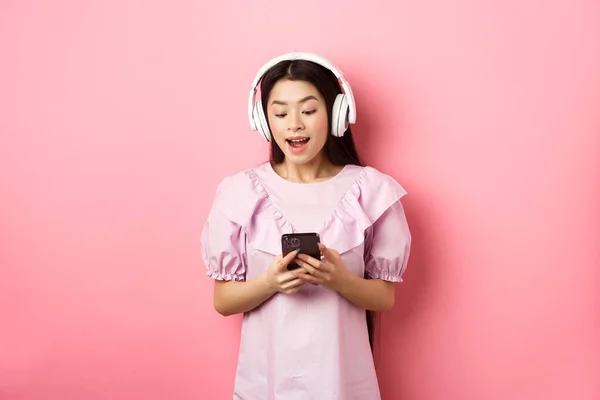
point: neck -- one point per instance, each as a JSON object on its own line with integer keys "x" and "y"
{"x": 316, "y": 170}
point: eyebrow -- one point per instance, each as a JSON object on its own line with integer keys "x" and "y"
{"x": 311, "y": 97}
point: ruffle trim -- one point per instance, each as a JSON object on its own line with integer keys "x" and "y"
{"x": 385, "y": 277}
{"x": 343, "y": 230}
{"x": 224, "y": 277}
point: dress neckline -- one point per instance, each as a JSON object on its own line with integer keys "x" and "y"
{"x": 278, "y": 177}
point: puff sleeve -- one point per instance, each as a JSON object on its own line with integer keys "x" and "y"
{"x": 388, "y": 245}
{"x": 223, "y": 244}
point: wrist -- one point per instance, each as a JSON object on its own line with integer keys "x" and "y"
{"x": 347, "y": 283}
{"x": 265, "y": 284}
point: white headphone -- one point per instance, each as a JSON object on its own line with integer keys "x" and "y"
{"x": 344, "y": 107}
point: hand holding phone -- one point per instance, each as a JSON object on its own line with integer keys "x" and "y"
{"x": 279, "y": 279}
{"x": 306, "y": 243}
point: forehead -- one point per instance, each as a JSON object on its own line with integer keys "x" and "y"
{"x": 293, "y": 91}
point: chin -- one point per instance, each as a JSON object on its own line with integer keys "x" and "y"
{"x": 304, "y": 156}
{"x": 299, "y": 158}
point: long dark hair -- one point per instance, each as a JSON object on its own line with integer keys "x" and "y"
{"x": 339, "y": 150}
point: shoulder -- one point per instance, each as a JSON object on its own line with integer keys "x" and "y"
{"x": 239, "y": 183}
{"x": 238, "y": 194}
{"x": 376, "y": 192}
{"x": 234, "y": 184}
{"x": 372, "y": 180}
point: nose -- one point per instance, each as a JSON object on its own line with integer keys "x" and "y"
{"x": 295, "y": 122}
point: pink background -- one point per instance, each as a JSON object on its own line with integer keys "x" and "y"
{"x": 118, "y": 119}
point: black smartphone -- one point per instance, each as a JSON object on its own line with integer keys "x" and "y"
{"x": 308, "y": 243}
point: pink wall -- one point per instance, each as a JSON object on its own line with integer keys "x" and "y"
{"x": 118, "y": 119}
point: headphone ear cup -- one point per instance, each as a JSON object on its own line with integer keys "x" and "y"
{"x": 339, "y": 116}
{"x": 260, "y": 121}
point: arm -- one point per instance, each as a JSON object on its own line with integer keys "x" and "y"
{"x": 232, "y": 297}
{"x": 223, "y": 244}
{"x": 223, "y": 251}
{"x": 370, "y": 294}
{"x": 386, "y": 258}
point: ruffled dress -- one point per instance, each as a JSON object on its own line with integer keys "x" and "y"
{"x": 312, "y": 344}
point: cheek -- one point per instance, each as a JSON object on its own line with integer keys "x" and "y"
{"x": 276, "y": 127}
{"x": 321, "y": 126}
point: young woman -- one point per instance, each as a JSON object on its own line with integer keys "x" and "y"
{"x": 306, "y": 332}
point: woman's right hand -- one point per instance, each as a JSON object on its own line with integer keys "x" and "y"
{"x": 279, "y": 279}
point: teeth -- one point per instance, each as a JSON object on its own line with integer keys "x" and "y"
{"x": 298, "y": 140}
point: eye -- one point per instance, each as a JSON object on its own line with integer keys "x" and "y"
{"x": 281, "y": 115}
{"x": 310, "y": 112}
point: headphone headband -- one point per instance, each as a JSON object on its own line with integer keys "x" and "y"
{"x": 308, "y": 57}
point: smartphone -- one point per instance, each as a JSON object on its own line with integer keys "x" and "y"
{"x": 308, "y": 243}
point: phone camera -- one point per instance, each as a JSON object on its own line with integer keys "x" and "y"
{"x": 292, "y": 242}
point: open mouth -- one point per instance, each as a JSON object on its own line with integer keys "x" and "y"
{"x": 297, "y": 142}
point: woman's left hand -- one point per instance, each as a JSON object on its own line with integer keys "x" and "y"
{"x": 329, "y": 273}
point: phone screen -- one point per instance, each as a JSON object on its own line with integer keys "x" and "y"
{"x": 308, "y": 243}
